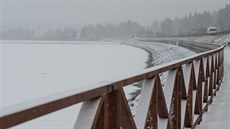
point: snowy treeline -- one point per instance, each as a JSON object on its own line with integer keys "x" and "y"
{"x": 127, "y": 29}
{"x": 196, "y": 23}
{"x": 55, "y": 34}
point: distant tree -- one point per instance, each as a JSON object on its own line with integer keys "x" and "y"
{"x": 177, "y": 26}
{"x": 124, "y": 30}
{"x": 167, "y": 27}
{"x": 17, "y": 34}
{"x": 223, "y": 18}
{"x": 155, "y": 26}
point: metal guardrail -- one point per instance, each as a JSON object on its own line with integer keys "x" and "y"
{"x": 190, "y": 87}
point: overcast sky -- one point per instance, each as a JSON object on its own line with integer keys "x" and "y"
{"x": 76, "y": 13}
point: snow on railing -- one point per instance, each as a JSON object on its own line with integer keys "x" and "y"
{"x": 191, "y": 84}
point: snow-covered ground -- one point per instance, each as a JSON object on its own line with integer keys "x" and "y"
{"x": 161, "y": 53}
{"x": 218, "y": 115}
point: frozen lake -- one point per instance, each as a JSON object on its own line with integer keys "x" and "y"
{"x": 32, "y": 70}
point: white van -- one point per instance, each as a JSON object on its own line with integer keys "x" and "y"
{"x": 212, "y": 30}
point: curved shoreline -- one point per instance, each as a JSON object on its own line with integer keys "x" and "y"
{"x": 150, "y": 55}
{"x": 148, "y": 63}
{"x": 156, "y": 56}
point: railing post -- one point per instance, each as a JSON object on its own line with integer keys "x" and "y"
{"x": 127, "y": 121}
{"x": 211, "y": 69}
{"x": 146, "y": 115}
{"x": 114, "y": 115}
{"x": 206, "y": 79}
{"x": 190, "y": 84}
{"x": 175, "y": 91}
{"x": 199, "y": 70}
{"x": 215, "y": 72}
{"x": 89, "y": 114}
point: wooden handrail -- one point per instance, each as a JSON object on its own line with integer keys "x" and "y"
{"x": 189, "y": 91}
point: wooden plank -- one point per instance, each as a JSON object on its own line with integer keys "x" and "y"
{"x": 175, "y": 105}
{"x": 211, "y": 76}
{"x": 162, "y": 106}
{"x": 43, "y": 109}
{"x": 102, "y": 122}
{"x": 144, "y": 102}
{"x": 183, "y": 90}
{"x": 168, "y": 89}
{"x": 89, "y": 114}
{"x": 205, "y": 67}
{"x": 207, "y": 79}
{"x": 199, "y": 95}
{"x": 183, "y": 112}
{"x": 200, "y": 79}
{"x": 127, "y": 121}
{"x": 154, "y": 111}
{"x": 189, "y": 84}
{"x": 114, "y": 110}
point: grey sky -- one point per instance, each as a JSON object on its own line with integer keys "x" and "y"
{"x": 76, "y": 13}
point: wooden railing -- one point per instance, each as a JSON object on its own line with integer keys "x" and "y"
{"x": 190, "y": 87}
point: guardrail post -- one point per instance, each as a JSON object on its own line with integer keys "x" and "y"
{"x": 215, "y": 71}
{"x": 146, "y": 115}
{"x": 127, "y": 120}
{"x": 119, "y": 114}
{"x": 206, "y": 79}
{"x": 222, "y": 57}
{"x": 199, "y": 79}
{"x": 190, "y": 84}
{"x": 89, "y": 114}
{"x": 175, "y": 91}
{"x": 211, "y": 69}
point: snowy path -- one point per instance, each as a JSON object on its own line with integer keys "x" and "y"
{"x": 218, "y": 115}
